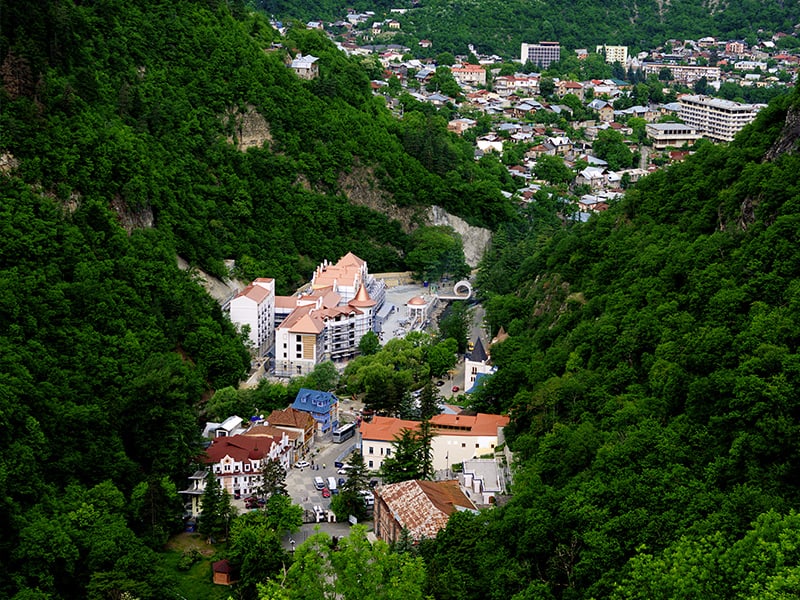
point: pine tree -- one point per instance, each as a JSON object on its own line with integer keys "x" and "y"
{"x": 273, "y": 478}
{"x": 217, "y": 511}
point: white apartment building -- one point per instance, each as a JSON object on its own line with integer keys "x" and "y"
{"x": 541, "y": 54}
{"x": 614, "y": 53}
{"x": 255, "y": 307}
{"x": 456, "y": 438}
{"x": 686, "y": 74}
{"x": 716, "y": 119}
{"x": 675, "y": 135}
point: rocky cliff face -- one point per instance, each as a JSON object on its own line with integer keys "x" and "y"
{"x": 361, "y": 188}
{"x": 476, "y": 239}
{"x": 790, "y": 135}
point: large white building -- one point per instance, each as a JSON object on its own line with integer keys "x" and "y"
{"x": 456, "y": 438}
{"x": 255, "y": 307}
{"x": 541, "y": 54}
{"x": 325, "y": 322}
{"x": 718, "y": 120}
{"x": 674, "y": 135}
{"x": 328, "y": 321}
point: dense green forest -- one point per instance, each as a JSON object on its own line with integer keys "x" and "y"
{"x": 499, "y": 26}
{"x": 651, "y": 371}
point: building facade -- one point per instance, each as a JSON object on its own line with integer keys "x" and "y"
{"x": 456, "y": 438}
{"x": 323, "y": 406}
{"x": 716, "y": 119}
{"x": 254, "y": 307}
{"x": 541, "y": 54}
{"x": 614, "y": 54}
{"x": 420, "y": 507}
{"x": 665, "y": 135}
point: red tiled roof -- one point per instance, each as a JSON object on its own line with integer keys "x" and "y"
{"x": 254, "y": 292}
{"x": 239, "y": 447}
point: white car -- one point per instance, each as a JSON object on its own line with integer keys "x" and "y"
{"x": 302, "y": 464}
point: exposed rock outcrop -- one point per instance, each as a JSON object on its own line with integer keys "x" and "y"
{"x": 250, "y": 128}
{"x": 789, "y": 137}
{"x": 475, "y": 239}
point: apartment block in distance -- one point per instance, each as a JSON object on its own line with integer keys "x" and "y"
{"x": 718, "y": 120}
{"x": 614, "y": 54}
{"x": 541, "y": 54}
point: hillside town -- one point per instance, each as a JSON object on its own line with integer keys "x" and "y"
{"x": 526, "y": 113}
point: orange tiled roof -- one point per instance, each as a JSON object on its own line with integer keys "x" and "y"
{"x": 385, "y": 429}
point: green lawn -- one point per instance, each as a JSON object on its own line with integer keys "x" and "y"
{"x": 196, "y": 583}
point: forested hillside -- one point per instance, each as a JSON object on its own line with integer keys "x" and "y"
{"x": 499, "y": 27}
{"x": 123, "y": 130}
{"x": 652, "y": 372}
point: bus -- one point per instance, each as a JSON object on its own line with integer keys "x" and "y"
{"x": 344, "y": 433}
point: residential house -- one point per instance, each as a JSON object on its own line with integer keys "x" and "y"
{"x": 420, "y": 507}
{"x": 604, "y": 109}
{"x": 233, "y": 425}
{"x": 569, "y": 87}
{"x": 459, "y": 126}
{"x": 236, "y": 461}
{"x": 490, "y": 143}
{"x": 614, "y": 54}
{"x": 323, "y": 406}
{"x": 306, "y": 67}
{"x": 254, "y": 307}
{"x": 468, "y": 74}
{"x": 300, "y": 422}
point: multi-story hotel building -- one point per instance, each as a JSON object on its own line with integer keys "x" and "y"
{"x": 686, "y": 74}
{"x": 675, "y": 135}
{"x": 541, "y": 54}
{"x": 718, "y": 120}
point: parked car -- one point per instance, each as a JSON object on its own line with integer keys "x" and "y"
{"x": 439, "y": 383}
{"x": 373, "y": 483}
{"x": 302, "y": 464}
{"x": 338, "y": 464}
{"x": 341, "y": 481}
{"x": 455, "y": 388}
{"x": 251, "y": 502}
{"x": 326, "y": 493}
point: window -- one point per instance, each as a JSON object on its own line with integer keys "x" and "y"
{"x": 370, "y": 464}
{"x": 371, "y": 451}
{"x": 381, "y": 451}
{"x": 477, "y": 445}
{"x": 247, "y": 467}
{"x": 463, "y": 445}
{"x": 388, "y": 451}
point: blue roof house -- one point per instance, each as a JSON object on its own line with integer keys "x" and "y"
{"x": 323, "y": 406}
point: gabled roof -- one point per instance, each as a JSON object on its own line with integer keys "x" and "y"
{"x": 290, "y": 417}
{"x": 256, "y": 293}
{"x": 314, "y": 401}
{"x": 424, "y": 507}
{"x": 239, "y": 447}
{"x": 481, "y": 424}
